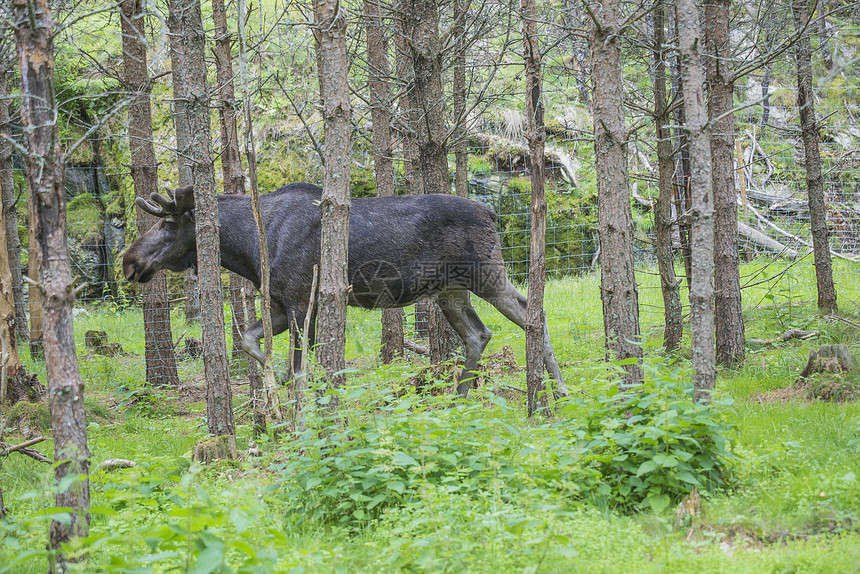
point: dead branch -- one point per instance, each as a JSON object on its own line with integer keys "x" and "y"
{"x": 415, "y": 347}
{"x": 787, "y": 336}
{"x": 23, "y": 445}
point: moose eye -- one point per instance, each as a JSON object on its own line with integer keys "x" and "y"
{"x": 169, "y": 224}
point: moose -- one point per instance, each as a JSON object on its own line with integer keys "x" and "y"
{"x": 401, "y": 249}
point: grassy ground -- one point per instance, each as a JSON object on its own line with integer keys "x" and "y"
{"x": 488, "y": 491}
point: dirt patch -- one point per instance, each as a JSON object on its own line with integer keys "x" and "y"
{"x": 823, "y": 387}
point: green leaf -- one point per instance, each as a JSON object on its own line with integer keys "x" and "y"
{"x": 403, "y": 459}
{"x": 665, "y": 460}
{"x": 658, "y": 502}
{"x": 211, "y": 559}
{"x": 646, "y": 467}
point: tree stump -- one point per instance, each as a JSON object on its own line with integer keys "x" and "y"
{"x": 830, "y": 359}
{"x": 215, "y": 448}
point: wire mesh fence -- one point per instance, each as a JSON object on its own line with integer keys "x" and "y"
{"x": 770, "y": 180}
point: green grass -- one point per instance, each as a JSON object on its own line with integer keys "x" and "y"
{"x": 789, "y": 502}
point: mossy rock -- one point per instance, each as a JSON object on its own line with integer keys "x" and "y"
{"x": 35, "y": 417}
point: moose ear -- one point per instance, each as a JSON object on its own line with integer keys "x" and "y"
{"x": 184, "y": 198}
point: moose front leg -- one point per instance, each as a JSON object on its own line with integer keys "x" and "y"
{"x": 252, "y": 335}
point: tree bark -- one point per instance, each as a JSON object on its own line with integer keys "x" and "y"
{"x": 461, "y": 155}
{"x": 10, "y": 214}
{"x": 701, "y": 191}
{"x": 383, "y": 151}
{"x": 264, "y": 397}
{"x": 193, "y": 95}
{"x": 614, "y": 219}
{"x": 425, "y": 50}
{"x": 682, "y": 162}
{"x": 160, "y": 358}
{"x": 670, "y": 288}
{"x": 536, "y": 137}
{"x": 44, "y": 168}
{"x": 727, "y": 282}
{"x": 37, "y": 349}
{"x": 191, "y": 306}
{"x": 812, "y": 161}
{"x": 330, "y": 33}
{"x": 231, "y": 160}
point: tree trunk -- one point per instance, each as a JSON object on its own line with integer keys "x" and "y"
{"x": 614, "y": 219}
{"x": 231, "y": 160}
{"x": 37, "y": 350}
{"x": 44, "y": 167}
{"x": 160, "y": 358}
{"x": 727, "y": 281}
{"x": 536, "y": 137}
{"x": 264, "y": 397}
{"x": 330, "y": 33}
{"x": 461, "y": 155}
{"x": 672, "y": 311}
{"x": 10, "y": 214}
{"x": 383, "y": 151}
{"x": 193, "y": 96}
{"x": 425, "y": 49}
{"x": 191, "y": 306}
{"x": 812, "y": 161}
{"x": 682, "y": 163}
{"x": 408, "y": 128}
{"x": 701, "y": 191}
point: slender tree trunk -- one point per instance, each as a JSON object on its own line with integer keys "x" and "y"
{"x": 231, "y": 160}
{"x": 194, "y": 97}
{"x": 536, "y": 136}
{"x": 727, "y": 281}
{"x": 330, "y": 33}
{"x": 264, "y": 397}
{"x": 812, "y": 161}
{"x": 702, "y": 224}
{"x": 160, "y": 358}
{"x": 383, "y": 151}
{"x": 614, "y": 218}
{"x": 10, "y": 214}
{"x": 682, "y": 163}
{"x": 671, "y": 289}
{"x": 191, "y": 306}
{"x": 461, "y": 155}
{"x": 408, "y": 128}
{"x": 44, "y": 166}
{"x": 16, "y": 383}
{"x": 425, "y": 49}
{"x": 37, "y": 351}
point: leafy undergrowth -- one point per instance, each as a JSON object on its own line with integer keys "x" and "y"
{"x": 399, "y": 481}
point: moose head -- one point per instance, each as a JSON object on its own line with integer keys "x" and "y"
{"x": 170, "y": 243}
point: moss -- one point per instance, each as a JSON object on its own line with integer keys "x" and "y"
{"x": 85, "y": 218}
{"x": 32, "y": 416}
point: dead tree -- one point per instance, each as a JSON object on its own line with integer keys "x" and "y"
{"x": 34, "y": 32}
{"x": 160, "y": 358}
{"x": 7, "y": 193}
{"x": 812, "y": 160}
{"x": 614, "y": 218}
{"x": 193, "y": 101}
{"x": 536, "y": 137}
{"x": 701, "y": 192}
{"x": 680, "y": 142}
{"x": 671, "y": 289}
{"x": 330, "y": 34}
{"x": 383, "y": 150}
{"x": 727, "y": 283}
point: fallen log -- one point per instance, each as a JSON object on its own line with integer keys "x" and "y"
{"x": 764, "y": 241}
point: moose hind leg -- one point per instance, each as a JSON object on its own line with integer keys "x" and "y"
{"x": 512, "y": 304}
{"x": 475, "y": 335}
{"x": 252, "y": 335}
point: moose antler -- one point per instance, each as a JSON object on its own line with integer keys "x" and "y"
{"x": 177, "y": 202}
